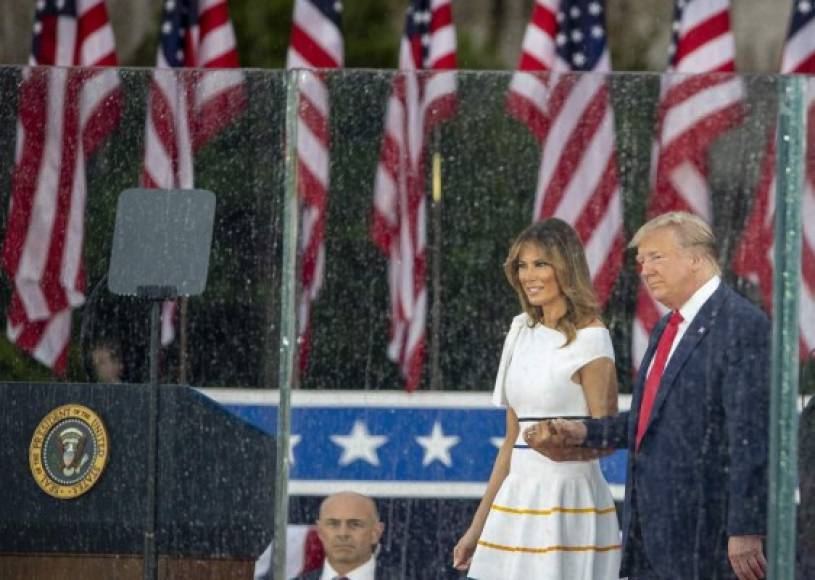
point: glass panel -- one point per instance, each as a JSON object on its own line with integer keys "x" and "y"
{"x": 791, "y": 298}
{"x": 467, "y": 168}
{"x": 229, "y": 142}
{"x": 478, "y": 171}
{"x": 228, "y": 336}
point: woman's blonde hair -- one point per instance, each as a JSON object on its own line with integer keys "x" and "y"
{"x": 564, "y": 251}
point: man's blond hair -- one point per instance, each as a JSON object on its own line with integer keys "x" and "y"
{"x": 692, "y": 232}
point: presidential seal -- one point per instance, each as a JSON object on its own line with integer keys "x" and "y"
{"x": 69, "y": 451}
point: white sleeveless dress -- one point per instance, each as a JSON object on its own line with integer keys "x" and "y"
{"x": 550, "y": 520}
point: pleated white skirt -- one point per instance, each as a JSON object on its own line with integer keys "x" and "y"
{"x": 550, "y": 521}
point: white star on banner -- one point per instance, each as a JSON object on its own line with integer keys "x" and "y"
{"x": 437, "y": 446}
{"x": 497, "y": 441}
{"x": 359, "y": 444}
{"x": 293, "y": 442}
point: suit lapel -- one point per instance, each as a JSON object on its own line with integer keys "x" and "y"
{"x": 696, "y": 332}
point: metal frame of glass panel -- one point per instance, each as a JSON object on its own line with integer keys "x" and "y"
{"x": 783, "y": 460}
{"x": 288, "y": 325}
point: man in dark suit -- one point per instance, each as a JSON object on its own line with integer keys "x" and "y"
{"x": 697, "y": 432}
{"x": 806, "y": 510}
{"x": 349, "y": 529}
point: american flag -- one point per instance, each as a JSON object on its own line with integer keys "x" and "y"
{"x": 572, "y": 118}
{"x": 64, "y": 114}
{"x": 694, "y": 111}
{"x": 754, "y": 256}
{"x": 188, "y": 108}
{"x": 304, "y": 552}
{"x": 418, "y": 102}
{"x": 316, "y": 43}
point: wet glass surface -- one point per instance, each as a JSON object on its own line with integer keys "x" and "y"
{"x": 484, "y": 166}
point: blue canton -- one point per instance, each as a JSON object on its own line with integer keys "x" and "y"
{"x": 331, "y": 9}
{"x": 676, "y": 24}
{"x": 803, "y": 13}
{"x": 49, "y": 9}
{"x": 417, "y": 27}
{"x": 178, "y": 17}
{"x": 581, "y": 37}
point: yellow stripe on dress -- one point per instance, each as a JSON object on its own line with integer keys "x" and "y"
{"x": 549, "y": 548}
{"x": 549, "y": 512}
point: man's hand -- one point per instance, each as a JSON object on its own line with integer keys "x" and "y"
{"x": 746, "y": 555}
{"x": 572, "y": 433}
{"x": 556, "y": 438}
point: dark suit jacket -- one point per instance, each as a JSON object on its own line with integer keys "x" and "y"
{"x": 700, "y": 475}
{"x": 313, "y": 575}
{"x": 379, "y": 574}
{"x": 806, "y": 511}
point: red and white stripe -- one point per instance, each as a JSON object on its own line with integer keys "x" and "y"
{"x": 572, "y": 118}
{"x": 528, "y": 90}
{"x": 186, "y": 109}
{"x": 694, "y": 111}
{"x": 304, "y": 552}
{"x": 418, "y": 101}
{"x": 64, "y": 114}
{"x": 316, "y": 43}
{"x": 754, "y": 257}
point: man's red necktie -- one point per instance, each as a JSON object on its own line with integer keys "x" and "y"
{"x": 655, "y": 376}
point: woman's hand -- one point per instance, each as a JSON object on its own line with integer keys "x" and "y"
{"x": 464, "y": 550}
{"x": 542, "y": 435}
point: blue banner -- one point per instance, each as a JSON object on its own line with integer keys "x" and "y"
{"x": 388, "y": 443}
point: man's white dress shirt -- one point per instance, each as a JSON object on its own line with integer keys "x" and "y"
{"x": 364, "y": 572}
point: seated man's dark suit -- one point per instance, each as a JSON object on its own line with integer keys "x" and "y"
{"x": 313, "y": 575}
{"x": 700, "y": 474}
{"x": 379, "y": 574}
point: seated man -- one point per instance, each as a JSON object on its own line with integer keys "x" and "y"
{"x": 349, "y": 529}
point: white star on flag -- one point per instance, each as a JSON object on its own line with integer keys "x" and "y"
{"x": 293, "y": 441}
{"x": 497, "y": 441}
{"x": 359, "y": 444}
{"x": 437, "y": 446}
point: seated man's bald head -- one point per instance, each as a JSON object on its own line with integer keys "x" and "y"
{"x": 349, "y": 529}
{"x": 351, "y": 498}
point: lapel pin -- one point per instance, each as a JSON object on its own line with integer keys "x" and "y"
{"x": 701, "y": 330}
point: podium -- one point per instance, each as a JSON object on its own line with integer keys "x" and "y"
{"x": 214, "y": 496}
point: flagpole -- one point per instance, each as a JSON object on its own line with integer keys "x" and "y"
{"x": 435, "y": 313}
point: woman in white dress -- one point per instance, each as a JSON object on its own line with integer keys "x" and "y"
{"x": 539, "y": 518}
